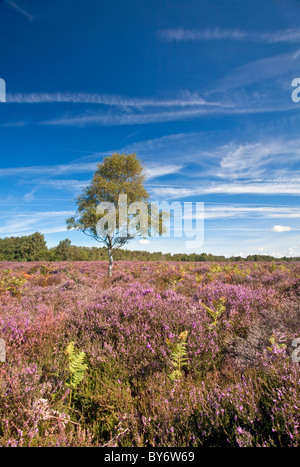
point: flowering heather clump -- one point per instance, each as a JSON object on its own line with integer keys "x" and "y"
{"x": 190, "y": 354}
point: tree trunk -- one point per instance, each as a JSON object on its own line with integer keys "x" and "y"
{"x": 110, "y": 263}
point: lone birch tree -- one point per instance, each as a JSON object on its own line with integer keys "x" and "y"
{"x": 118, "y": 176}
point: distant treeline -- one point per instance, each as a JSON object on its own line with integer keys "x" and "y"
{"x": 34, "y": 248}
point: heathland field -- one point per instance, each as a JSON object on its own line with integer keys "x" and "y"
{"x": 162, "y": 354}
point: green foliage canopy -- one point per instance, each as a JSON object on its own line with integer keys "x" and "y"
{"x": 118, "y": 174}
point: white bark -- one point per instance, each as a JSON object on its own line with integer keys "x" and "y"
{"x": 110, "y": 262}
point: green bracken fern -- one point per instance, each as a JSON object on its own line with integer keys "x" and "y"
{"x": 220, "y": 308}
{"x": 77, "y": 367}
{"x": 179, "y": 356}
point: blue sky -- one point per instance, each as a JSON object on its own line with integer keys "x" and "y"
{"x": 199, "y": 89}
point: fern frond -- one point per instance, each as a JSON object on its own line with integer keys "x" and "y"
{"x": 77, "y": 366}
{"x": 179, "y": 356}
{"x": 220, "y": 309}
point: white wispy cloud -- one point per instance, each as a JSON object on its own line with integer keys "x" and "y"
{"x": 251, "y": 211}
{"x": 127, "y": 116}
{"x": 151, "y": 171}
{"x": 60, "y": 169}
{"x": 130, "y": 117}
{"x": 258, "y": 71}
{"x": 186, "y": 105}
{"x": 218, "y": 34}
{"x": 252, "y": 159}
{"x": 142, "y": 118}
{"x": 29, "y": 222}
{"x": 246, "y": 211}
{"x": 141, "y": 114}
{"x": 184, "y": 99}
{"x": 262, "y": 187}
{"x": 20, "y": 10}
{"x": 30, "y": 195}
{"x": 276, "y": 158}
{"x": 158, "y": 170}
{"x": 63, "y": 184}
{"x": 119, "y": 110}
